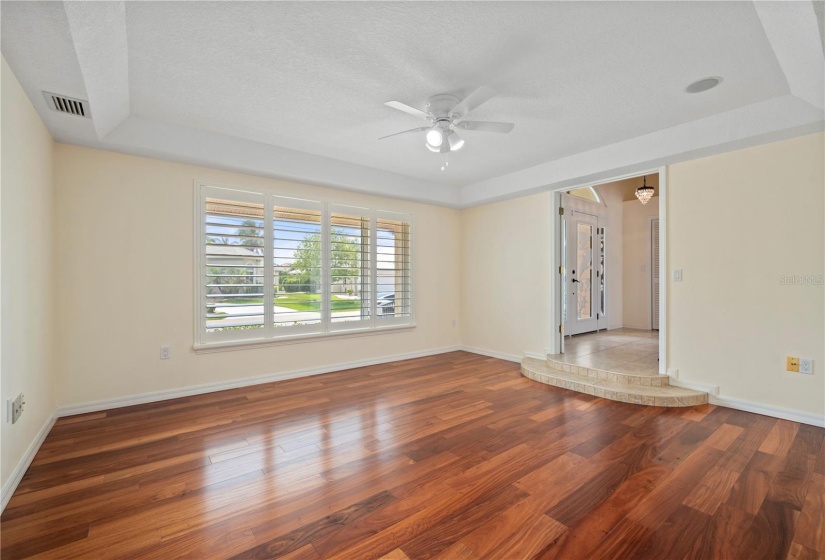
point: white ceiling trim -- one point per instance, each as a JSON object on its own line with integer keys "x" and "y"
{"x": 149, "y": 138}
{"x": 793, "y": 33}
{"x": 768, "y": 121}
{"x": 105, "y": 70}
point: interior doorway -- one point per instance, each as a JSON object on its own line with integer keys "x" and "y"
{"x": 610, "y": 262}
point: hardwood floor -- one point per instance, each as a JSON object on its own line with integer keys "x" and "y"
{"x": 454, "y": 456}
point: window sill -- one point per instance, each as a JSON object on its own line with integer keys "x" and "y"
{"x": 231, "y": 345}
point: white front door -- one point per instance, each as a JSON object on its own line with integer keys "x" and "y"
{"x": 585, "y": 303}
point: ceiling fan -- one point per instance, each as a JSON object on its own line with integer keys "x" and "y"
{"x": 446, "y": 114}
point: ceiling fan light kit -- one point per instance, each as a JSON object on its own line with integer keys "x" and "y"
{"x": 456, "y": 141}
{"x": 446, "y": 113}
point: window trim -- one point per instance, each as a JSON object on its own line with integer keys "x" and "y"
{"x": 266, "y": 336}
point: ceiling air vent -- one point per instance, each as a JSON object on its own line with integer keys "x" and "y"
{"x": 70, "y": 105}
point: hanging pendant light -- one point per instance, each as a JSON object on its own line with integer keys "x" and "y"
{"x": 644, "y": 193}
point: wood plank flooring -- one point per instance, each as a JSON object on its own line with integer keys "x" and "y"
{"x": 454, "y": 456}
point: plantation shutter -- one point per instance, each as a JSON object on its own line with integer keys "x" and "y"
{"x": 269, "y": 267}
{"x": 297, "y": 264}
{"x": 232, "y": 258}
{"x": 349, "y": 288}
{"x": 393, "y": 274}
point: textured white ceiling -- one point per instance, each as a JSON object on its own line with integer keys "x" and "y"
{"x": 571, "y": 76}
{"x": 287, "y": 81}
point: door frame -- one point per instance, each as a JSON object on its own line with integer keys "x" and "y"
{"x": 556, "y": 343}
{"x": 650, "y": 276}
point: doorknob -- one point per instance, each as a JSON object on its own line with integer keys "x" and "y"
{"x": 574, "y": 280}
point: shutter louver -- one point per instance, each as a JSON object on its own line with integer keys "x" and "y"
{"x": 234, "y": 265}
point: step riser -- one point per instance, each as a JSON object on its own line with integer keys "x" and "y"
{"x": 612, "y": 376}
{"x": 615, "y": 392}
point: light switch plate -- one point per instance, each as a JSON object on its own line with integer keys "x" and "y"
{"x": 17, "y": 407}
{"x": 677, "y": 275}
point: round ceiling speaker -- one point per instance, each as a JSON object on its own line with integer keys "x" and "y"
{"x": 703, "y": 85}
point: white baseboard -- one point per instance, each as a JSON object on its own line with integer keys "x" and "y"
{"x": 17, "y": 474}
{"x": 749, "y": 406}
{"x": 492, "y": 353}
{"x": 709, "y": 389}
{"x": 535, "y": 356}
{"x": 154, "y": 396}
{"x": 770, "y": 410}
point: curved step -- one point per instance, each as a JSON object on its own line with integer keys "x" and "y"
{"x": 611, "y": 376}
{"x": 539, "y": 370}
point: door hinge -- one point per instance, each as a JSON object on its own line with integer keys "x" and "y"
{"x": 561, "y": 211}
{"x": 561, "y": 328}
{"x": 561, "y": 270}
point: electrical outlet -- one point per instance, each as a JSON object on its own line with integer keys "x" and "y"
{"x": 164, "y": 352}
{"x": 806, "y": 365}
{"x": 17, "y": 408}
{"x": 792, "y": 364}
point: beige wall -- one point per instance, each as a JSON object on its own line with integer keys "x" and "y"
{"x": 636, "y": 251}
{"x": 27, "y": 248}
{"x": 125, "y": 244}
{"x": 737, "y": 222}
{"x": 505, "y": 262}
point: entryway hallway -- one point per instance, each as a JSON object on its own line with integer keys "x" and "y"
{"x": 630, "y": 351}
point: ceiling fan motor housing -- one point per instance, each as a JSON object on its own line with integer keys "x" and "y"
{"x": 440, "y": 105}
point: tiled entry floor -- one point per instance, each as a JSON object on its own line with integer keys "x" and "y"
{"x": 620, "y": 350}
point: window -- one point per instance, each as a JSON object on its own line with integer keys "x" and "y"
{"x": 271, "y": 267}
{"x": 392, "y": 282}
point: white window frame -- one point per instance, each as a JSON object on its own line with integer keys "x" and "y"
{"x": 269, "y": 334}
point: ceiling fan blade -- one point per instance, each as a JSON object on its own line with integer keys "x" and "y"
{"x": 407, "y": 109}
{"x": 421, "y": 129}
{"x": 485, "y": 126}
{"x": 473, "y": 100}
